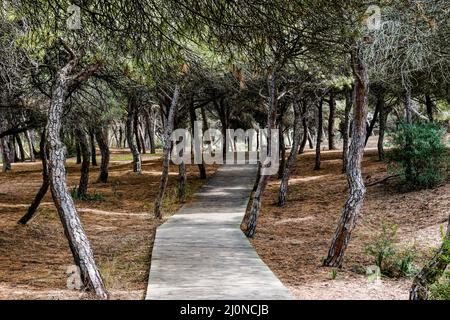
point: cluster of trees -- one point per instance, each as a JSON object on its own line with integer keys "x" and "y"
{"x": 84, "y": 74}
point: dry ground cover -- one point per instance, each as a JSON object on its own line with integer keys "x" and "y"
{"x": 293, "y": 240}
{"x": 120, "y": 226}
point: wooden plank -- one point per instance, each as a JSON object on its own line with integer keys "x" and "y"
{"x": 201, "y": 253}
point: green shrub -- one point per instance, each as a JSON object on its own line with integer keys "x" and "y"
{"x": 419, "y": 154}
{"x": 87, "y": 197}
{"x": 441, "y": 289}
{"x": 393, "y": 261}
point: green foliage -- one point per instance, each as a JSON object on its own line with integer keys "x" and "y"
{"x": 88, "y": 197}
{"x": 419, "y": 154}
{"x": 393, "y": 261}
{"x": 333, "y": 274}
{"x": 441, "y": 289}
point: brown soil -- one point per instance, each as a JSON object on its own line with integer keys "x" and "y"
{"x": 293, "y": 240}
{"x": 34, "y": 258}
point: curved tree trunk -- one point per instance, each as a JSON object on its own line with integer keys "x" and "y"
{"x": 166, "y": 152}
{"x": 331, "y": 122}
{"x": 380, "y": 102}
{"x": 319, "y": 133}
{"x": 346, "y": 125}
{"x": 249, "y": 227}
{"x": 102, "y": 140}
{"x": 282, "y": 193}
{"x": 78, "y": 242}
{"x": 137, "y": 165}
{"x": 355, "y": 181}
{"x": 85, "y": 155}
{"x": 432, "y": 271}
{"x": 44, "y": 187}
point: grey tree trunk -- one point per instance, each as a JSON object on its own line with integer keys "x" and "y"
{"x": 319, "y": 133}
{"x": 331, "y": 122}
{"x": 408, "y": 111}
{"x": 193, "y": 118}
{"x": 346, "y": 125}
{"x": 85, "y": 155}
{"x": 44, "y": 187}
{"x": 182, "y": 181}
{"x": 30, "y": 145}
{"x": 430, "y": 106}
{"x": 6, "y": 155}
{"x": 150, "y": 131}
{"x": 102, "y": 140}
{"x": 355, "y": 181}
{"x": 249, "y": 227}
{"x": 78, "y": 242}
{"x": 137, "y": 164}
{"x": 20, "y": 147}
{"x": 282, "y": 147}
{"x": 166, "y": 151}
{"x": 282, "y": 193}
{"x": 432, "y": 271}
{"x": 78, "y": 150}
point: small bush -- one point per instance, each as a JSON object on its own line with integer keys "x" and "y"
{"x": 419, "y": 154}
{"x": 441, "y": 289}
{"x": 392, "y": 260}
{"x": 87, "y": 197}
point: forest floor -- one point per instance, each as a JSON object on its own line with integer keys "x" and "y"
{"x": 119, "y": 223}
{"x": 293, "y": 240}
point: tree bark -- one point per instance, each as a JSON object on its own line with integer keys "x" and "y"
{"x": 282, "y": 147}
{"x": 102, "y": 140}
{"x": 346, "y": 125}
{"x": 430, "y": 106}
{"x": 408, "y": 111}
{"x": 6, "y": 155}
{"x": 193, "y": 118}
{"x": 20, "y": 147}
{"x": 44, "y": 187}
{"x": 93, "y": 152}
{"x": 432, "y": 271}
{"x": 85, "y": 155}
{"x": 150, "y": 131}
{"x": 249, "y": 227}
{"x": 137, "y": 165}
{"x": 30, "y": 145}
{"x": 182, "y": 180}
{"x": 166, "y": 151}
{"x": 282, "y": 193}
{"x": 380, "y": 102}
{"x": 331, "y": 122}
{"x": 78, "y": 242}
{"x": 319, "y": 133}
{"x": 355, "y": 181}
{"x": 78, "y": 150}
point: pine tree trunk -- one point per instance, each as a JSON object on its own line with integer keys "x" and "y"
{"x": 282, "y": 193}
{"x": 20, "y": 147}
{"x": 355, "y": 181}
{"x": 346, "y": 125}
{"x": 408, "y": 112}
{"x": 136, "y": 129}
{"x": 78, "y": 242}
{"x": 150, "y": 132}
{"x": 85, "y": 155}
{"x": 93, "y": 152}
{"x": 6, "y": 156}
{"x": 182, "y": 180}
{"x": 319, "y": 134}
{"x": 282, "y": 147}
{"x": 249, "y": 227}
{"x": 430, "y": 106}
{"x": 30, "y": 145}
{"x": 78, "y": 150}
{"x": 166, "y": 152}
{"x": 193, "y": 119}
{"x": 44, "y": 187}
{"x": 137, "y": 165}
{"x": 380, "y": 102}
{"x": 331, "y": 122}
{"x": 102, "y": 140}
{"x": 432, "y": 271}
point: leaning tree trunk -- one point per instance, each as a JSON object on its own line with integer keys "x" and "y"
{"x": 432, "y": 271}
{"x": 182, "y": 181}
{"x": 355, "y": 181}
{"x": 430, "y": 106}
{"x": 319, "y": 134}
{"x": 346, "y": 125}
{"x": 150, "y": 131}
{"x": 304, "y": 138}
{"x": 44, "y": 187}
{"x": 85, "y": 155}
{"x": 93, "y": 152}
{"x": 380, "y": 102}
{"x": 78, "y": 242}
{"x": 282, "y": 193}
{"x": 282, "y": 147}
{"x": 137, "y": 165}
{"x": 249, "y": 227}
{"x": 20, "y": 147}
{"x": 166, "y": 152}
{"x": 102, "y": 139}
{"x": 331, "y": 121}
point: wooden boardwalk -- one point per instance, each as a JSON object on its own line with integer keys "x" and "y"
{"x": 201, "y": 253}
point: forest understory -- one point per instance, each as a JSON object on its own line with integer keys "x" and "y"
{"x": 291, "y": 240}
{"x": 118, "y": 221}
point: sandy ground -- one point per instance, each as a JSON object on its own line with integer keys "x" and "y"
{"x": 34, "y": 258}
{"x": 294, "y": 239}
